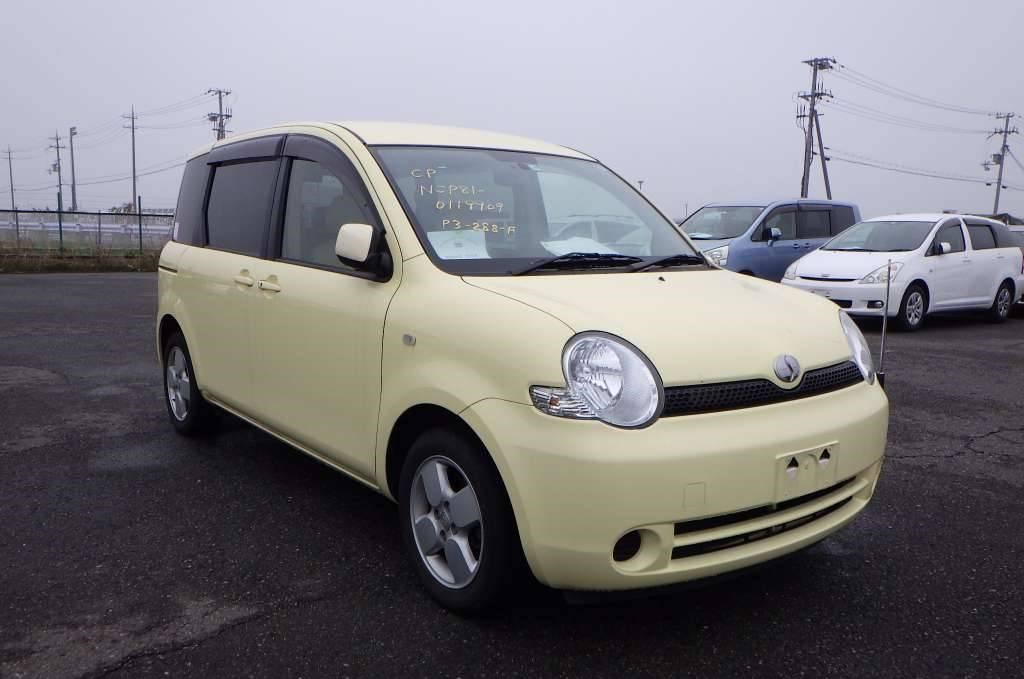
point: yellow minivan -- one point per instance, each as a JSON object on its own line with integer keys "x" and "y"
{"x": 510, "y": 341}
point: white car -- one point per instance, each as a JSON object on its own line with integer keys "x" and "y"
{"x": 939, "y": 262}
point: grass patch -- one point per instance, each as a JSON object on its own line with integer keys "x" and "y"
{"x": 50, "y": 261}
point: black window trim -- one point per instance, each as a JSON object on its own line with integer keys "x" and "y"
{"x": 306, "y": 147}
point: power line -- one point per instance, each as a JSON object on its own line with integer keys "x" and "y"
{"x": 892, "y": 167}
{"x": 868, "y": 113}
{"x": 865, "y": 81}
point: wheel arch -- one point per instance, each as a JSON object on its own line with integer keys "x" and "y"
{"x": 407, "y": 428}
{"x": 167, "y": 326}
{"x": 927, "y": 292}
{"x": 1013, "y": 287}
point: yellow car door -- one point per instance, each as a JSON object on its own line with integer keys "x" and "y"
{"x": 318, "y": 322}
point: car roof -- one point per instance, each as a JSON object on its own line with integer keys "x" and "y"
{"x": 382, "y": 133}
{"x": 779, "y": 201}
{"x": 926, "y": 217}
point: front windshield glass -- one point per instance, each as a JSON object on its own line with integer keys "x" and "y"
{"x": 481, "y": 211}
{"x": 882, "y": 237}
{"x": 712, "y": 223}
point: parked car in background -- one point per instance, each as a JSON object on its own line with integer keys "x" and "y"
{"x": 475, "y": 325}
{"x": 939, "y": 262}
{"x": 762, "y": 239}
{"x": 1017, "y": 230}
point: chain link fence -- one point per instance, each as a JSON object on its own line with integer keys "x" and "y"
{"x": 83, "y": 233}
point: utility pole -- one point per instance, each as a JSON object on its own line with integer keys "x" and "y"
{"x": 56, "y": 168}
{"x": 60, "y": 191}
{"x": 71, "y": 143}
{"x": 1003, "y": 150}
{"x": 135, "y": 178}
{"x": 817, "y": 64}
{"x": 10, "y": 174}
{"x": 220, "y": 117}
{"x": 821, "y": 155}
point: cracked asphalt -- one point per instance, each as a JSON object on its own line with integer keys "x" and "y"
{"x": 126, "y": 551}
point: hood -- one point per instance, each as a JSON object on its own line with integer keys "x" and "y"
{"x": 695, "y": 326}
{"x": 706, "y": 245}
{"x": 844, "y": 265}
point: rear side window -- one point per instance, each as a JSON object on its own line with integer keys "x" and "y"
{"x": 842, "y": 218}
{"x": 188, "y": 215}
{"x": 812, "y": 224}
{"x": 981, "y": 236}
{"x": 240, "y": 201}
{"x": 1004, "y": 237}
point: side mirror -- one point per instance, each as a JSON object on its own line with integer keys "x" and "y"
{"x": 941, "y": 248}
{"x": 774, "y": 233}
{"x": 359, "y": 246}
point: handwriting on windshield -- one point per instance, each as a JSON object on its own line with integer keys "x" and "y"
{"x": 493, "y": 227}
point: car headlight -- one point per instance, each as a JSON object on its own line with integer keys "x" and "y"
{"x": 886, "y": 272}
{"x": 790, "y": 272}
{"x": 607, "y": 379}
{"x": 718, "y": 256}
{"x": 859, "y": 349}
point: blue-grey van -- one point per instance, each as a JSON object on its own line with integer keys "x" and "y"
{"x": 763, "y": 238}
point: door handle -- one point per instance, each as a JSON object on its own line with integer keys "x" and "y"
{"x": 245, "y": 280}
{"x": 269, "y": 287}
{"x": 796, "y": 245}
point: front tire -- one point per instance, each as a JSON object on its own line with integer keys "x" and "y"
{"x": 1002, "y": 304}
{"x": 189, "y": 412}
{"x": 456, "y": 522}
{"x": 913, "y": 308}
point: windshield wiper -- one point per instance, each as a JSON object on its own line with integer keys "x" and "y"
{"x": 851, "y": 250}
{"x": 580, "y": 260}
{"x": 671, "y": 260}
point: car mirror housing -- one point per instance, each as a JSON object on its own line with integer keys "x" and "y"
{"x": 360, "y": 246}
{"x": 774, "y": 233}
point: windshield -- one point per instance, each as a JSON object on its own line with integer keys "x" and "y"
{"x": 882, "y": 237}
{"x": 496, "y": 212}
{"x": 711, "y": 223}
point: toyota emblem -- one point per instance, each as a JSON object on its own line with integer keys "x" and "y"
{"x": 787, "y": 368}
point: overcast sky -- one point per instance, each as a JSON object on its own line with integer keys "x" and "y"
{"x": 696, "y": 99}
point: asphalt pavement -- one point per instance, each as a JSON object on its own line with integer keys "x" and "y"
{"x": 128, "y": 551}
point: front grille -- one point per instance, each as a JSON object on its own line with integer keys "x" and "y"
{"x": 696, "y": 549}
{"x": 709, "y": 398}
{"x": 828, "y": 280}
{"x": 684, "y": 551}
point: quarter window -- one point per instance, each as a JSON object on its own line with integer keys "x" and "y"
{"x": 239, "y": 208}
{"x": 812, "y": 224}
{"x": 784, "y": 222}
{"x": 981, "y": 237}
{"x": 952, "y": 233}
{"x": 319, "y": 202}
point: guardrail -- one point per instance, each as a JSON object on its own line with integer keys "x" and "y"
{"x": 84, "y": 231}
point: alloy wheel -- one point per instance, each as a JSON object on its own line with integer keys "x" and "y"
{"x": 915, "y": 308}
{"x": 446, "y": 522}
{"x": 1003, "y": 302}
{"x": 179, "y": 387}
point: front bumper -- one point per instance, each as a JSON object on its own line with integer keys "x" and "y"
{"x": 578, "y": 486}
{"x": 858, "y": 299}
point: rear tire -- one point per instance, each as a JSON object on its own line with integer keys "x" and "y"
{"x": 460, "y": 533}
{"x": 913, "y": 308}
{"x": 189, "y": 412}
{"x": 1002, "y": 304}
